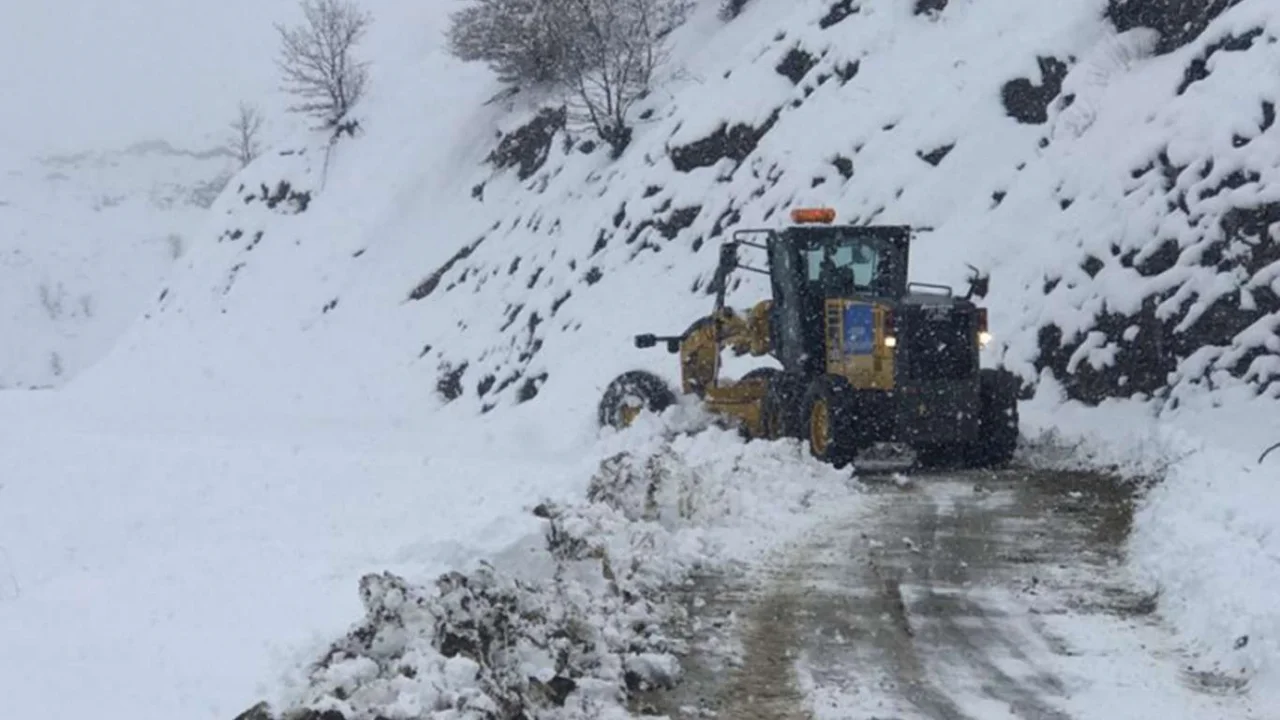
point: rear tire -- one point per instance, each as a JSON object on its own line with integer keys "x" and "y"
{"x": 829, "y": 426}
{"x": 997, "y": 432}
{"x": 629, "y": 394}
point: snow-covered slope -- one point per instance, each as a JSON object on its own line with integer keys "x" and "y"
{"x": 1128, "y": 196}
{"x": 84, "y": 243}
{"x": 405, "y": 276}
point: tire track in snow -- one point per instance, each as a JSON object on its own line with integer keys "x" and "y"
{"x": 962, "y": 598}
{"x": 765, "y": 688}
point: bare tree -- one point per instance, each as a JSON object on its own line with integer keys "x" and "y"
{"x": 618, "y": 46}
{"x": 316, "y": 59}
{"x": 602, "y": 53}
{"x": 244, "y": 134}
{"x": 523, "y": 41}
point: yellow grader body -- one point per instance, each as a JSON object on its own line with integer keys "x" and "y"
{"x": 866, "y": 356}
{"x": 700, "y": 364}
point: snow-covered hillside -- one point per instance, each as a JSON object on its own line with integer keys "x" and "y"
{"x": 84, "y": 243}
{"x": 489, "y": 275}
{"x": 463, "y": 268}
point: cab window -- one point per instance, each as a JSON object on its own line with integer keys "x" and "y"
{"x": 845, "y": 267}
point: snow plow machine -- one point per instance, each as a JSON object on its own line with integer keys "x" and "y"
{"x": 866, "y": 356}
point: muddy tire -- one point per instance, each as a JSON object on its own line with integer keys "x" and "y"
{"x": 629, "y": 394}
{"x": 829, "y": 421}
{"x": 997, "y": 437}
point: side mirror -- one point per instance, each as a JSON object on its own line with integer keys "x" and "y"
{"x": 673, "y": 346}
{"x": 644, "y": 342}
{"x": 979, "y": 284}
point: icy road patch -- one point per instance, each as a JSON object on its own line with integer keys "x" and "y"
{"x": 968, "y": 596}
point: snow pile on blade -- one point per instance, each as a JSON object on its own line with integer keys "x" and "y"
{"x": 571, "y": 625}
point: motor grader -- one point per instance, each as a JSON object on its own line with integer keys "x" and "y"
{"x": 866, "y": 356}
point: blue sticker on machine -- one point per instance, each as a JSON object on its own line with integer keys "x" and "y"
{"x": 859, "y": 330}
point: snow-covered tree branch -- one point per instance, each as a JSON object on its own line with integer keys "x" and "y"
{"x": 603, "y": 54}
{"x": 316, "y": 59}
{"x": 245, "y": 130}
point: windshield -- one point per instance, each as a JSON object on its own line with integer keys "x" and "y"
{"x": 846, "y": 265}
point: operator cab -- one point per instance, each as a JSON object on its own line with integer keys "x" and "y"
{"x": 810, "y": 264}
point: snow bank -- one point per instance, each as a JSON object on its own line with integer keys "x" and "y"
{"x": 571, "y": 623}
{"x": 1207, "y": 538}
{"x": 176, "y": 572}
{"x": 1205, "y": 530}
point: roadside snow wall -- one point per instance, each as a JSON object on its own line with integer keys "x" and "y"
{"x": 1204, "y": 537}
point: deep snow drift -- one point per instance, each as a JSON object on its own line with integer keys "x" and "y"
{"x": 574, "y": 622}
{"x": 194, "y": 572}
{"x": 405, "y": 280}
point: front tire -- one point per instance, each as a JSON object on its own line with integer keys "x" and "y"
{"x": 829, "y": 421}
{"x": 630, "y": 394}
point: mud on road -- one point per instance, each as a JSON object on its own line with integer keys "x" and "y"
{"x": 966, "y": 596}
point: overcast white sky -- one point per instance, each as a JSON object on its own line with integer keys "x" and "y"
{"x": 98, "y": 74}
{"x": 80, "y": 74}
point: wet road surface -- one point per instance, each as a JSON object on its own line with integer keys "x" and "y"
{"x": 967, "y": 596}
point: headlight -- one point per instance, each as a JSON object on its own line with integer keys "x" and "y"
{"x": 984, "y": 338}
{"x": 890, "y": 341}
